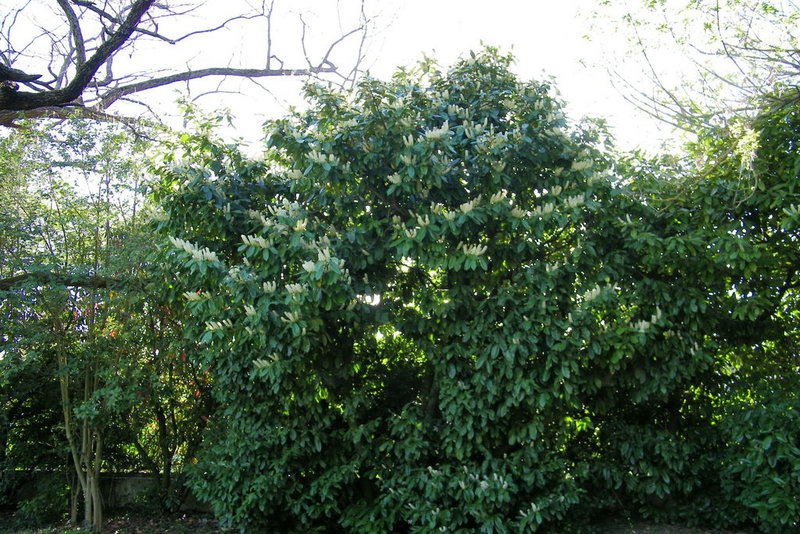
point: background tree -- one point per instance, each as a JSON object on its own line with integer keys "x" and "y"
{"x": 77, "y": 314}
{"x": 80, "y": 56}
{"x": 736, "y": 93}
{"x": 707, "y": 63}
{"x": 744, "y": 200}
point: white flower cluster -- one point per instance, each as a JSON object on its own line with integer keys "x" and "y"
{"x": 597, "y": 290}
{"x": 550, "y": 267}
{"x": 539, "y": 211}
{"x": 473, "y": 130}
{"x": 437, "y": 133}
{"x": 322, "y": 247}
{"x": 582, "y": 165}
{"x": 642, "y": 326}
{"x": 593, "y": 179}
{"x": 436, "y": 209}
{"x": 472, "y": 250}
{"x": 409, "y": 122}
{"x": 319, "y": 158}
{"x": 197, "y": 254}
{"x": 250, "y": 310}
{"x": 422, "y": 222}
{"x": 469, "y": 206}
{"x": 395, "y": 178}
{"x": 290, "y": 317}
{"x": 491, "y": 140}
{"x": 442, "y": 161}
{"x": 196, "y": 296}
{"x": 269, "y": 287}
{"x": 235, "y": 273}
{"x": 296, "y": 289}
{"x": 483, "y": 483}
{"x": 460, "y": 112}
{"x": 441, "y": 95}
{"x": 217, "y": 326}
{"x": 285, "y": 209}
{"x": 592, "y": 294}
{"x": 256, "y": 241}
{"x": 259, "y": 217}
{"x": 159, "y": 215}
{"x": 294, "y": 174}
{"x": 544, "y": 210}
{"x": 407, "y": 160}
{"x": 575, "y": 201}
{"x": 498, "y": 197}
{"x": 263, "y": 364}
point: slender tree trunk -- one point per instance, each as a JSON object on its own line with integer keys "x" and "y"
{"x": 69, "y": 429}
{"x": 96, "y": 493}
{"x": 73, "y": 504}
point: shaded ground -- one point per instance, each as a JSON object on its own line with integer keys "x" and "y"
{"x": 129, "y": 524}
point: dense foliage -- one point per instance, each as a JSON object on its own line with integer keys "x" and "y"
{"x": 436, "y": 305}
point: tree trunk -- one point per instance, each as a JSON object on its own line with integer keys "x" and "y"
{"x": 73, "y": 505}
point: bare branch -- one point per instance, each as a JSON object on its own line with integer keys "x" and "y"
{"x": 84, "y": 63}
{"x": 70, "y": 280}
{"x": 75, "y": 30}
{"x": 20, "y": 101}
{"x": 269, "y": 33}
{"x": 115, "y": 94}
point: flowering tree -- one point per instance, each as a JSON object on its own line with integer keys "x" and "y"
{"x": 428, "y": 308}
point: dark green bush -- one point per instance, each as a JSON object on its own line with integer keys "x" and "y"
{"x": 760, "y": 472}
{"x": 49, "y": 503}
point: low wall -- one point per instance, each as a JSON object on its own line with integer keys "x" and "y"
{"x": 119, "y": 490}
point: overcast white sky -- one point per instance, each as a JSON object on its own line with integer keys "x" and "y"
{"x": 546, "y": 36}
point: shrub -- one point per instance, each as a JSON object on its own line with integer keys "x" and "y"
{"x": 430, "y": 307}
